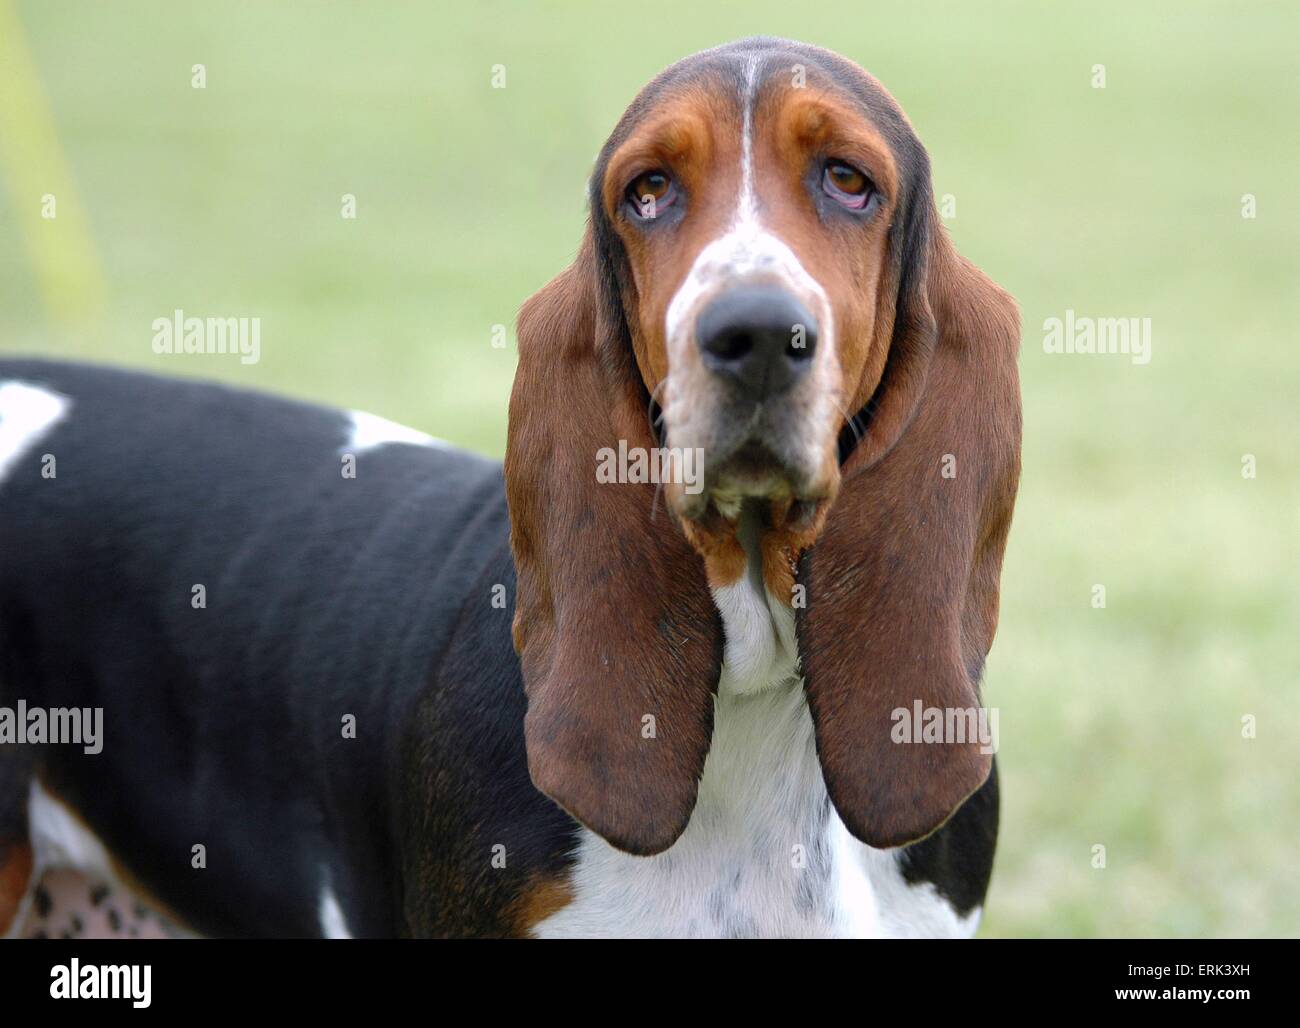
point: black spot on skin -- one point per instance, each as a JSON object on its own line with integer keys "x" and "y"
{"x": 140, "y": 911}
{"x": 43, "y": 902}
{"x": 98, "y": 894}
{"x": 114, "y": 919}
{"x": 68, "y": 935}
{"x": 78, "y": 925}
{"x": 39, "y": 934}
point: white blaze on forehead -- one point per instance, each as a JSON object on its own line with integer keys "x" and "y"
{"x": 748, "y": 209}
{"x": 745, "y": 251}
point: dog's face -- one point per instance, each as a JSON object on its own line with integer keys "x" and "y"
{"x": 753, "y": 207}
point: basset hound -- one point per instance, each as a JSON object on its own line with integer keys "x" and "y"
{"x": 351, "y": 681}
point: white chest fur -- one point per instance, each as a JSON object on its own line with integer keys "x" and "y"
{"x": 764, "y": 854}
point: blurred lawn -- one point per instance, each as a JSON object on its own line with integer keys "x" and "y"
{"x": 1121, "y": 726}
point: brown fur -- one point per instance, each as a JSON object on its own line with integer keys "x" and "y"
{"x": 15, "y": 876}
{"x": 538, "y": 900}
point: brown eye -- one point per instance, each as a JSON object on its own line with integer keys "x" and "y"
{"x": 845, "y": 184}
{"x": 650, "y": 193}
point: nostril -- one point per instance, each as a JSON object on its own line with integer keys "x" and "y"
{"x": 802, "y": 342}
{"x": 730, "y": 346}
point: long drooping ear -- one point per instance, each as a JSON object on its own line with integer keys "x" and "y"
{"x": 617, "y": 633}
{"x": 902, "y": 586}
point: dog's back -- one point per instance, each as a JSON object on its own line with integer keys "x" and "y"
{"x": 261, "y": 596}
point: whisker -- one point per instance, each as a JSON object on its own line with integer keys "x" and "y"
{"x": 650, "y": 407}
{"x": 852, "y": 422}
{"x": 654, "y": 434}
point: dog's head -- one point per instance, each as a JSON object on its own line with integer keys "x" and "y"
{"x": 765, "y": 286}
{"x": 746, "y": 203}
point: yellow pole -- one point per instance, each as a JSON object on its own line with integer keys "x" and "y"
{"x": 61, "y": 248}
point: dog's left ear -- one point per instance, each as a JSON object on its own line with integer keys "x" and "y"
{"x": 619, "y": 642}
{"x": 902, "y": 585}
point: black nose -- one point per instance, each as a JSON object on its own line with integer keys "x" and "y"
{"x": 760, "y": 337}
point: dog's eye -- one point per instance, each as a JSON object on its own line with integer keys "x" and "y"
{"x": 650, "y": 193}
{"x": 846, "y": 185}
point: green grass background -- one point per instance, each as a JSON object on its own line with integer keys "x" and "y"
{"x": 1120, "y": 727}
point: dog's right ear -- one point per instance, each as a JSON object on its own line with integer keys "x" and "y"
{"x": 902, "y": 585}
{"x": 619, "y": 640}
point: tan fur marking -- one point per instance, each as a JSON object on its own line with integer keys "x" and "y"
{"x": 541, "y": 898}
{"x": 697, "y": 141}
{"x": 15, "y": 876}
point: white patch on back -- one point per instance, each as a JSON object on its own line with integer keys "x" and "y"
{"x": 333, "y": 925}
{"x": 370, "y": 430}
{"x": 59, "y": 839}
{"x": 27, "y": 412}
